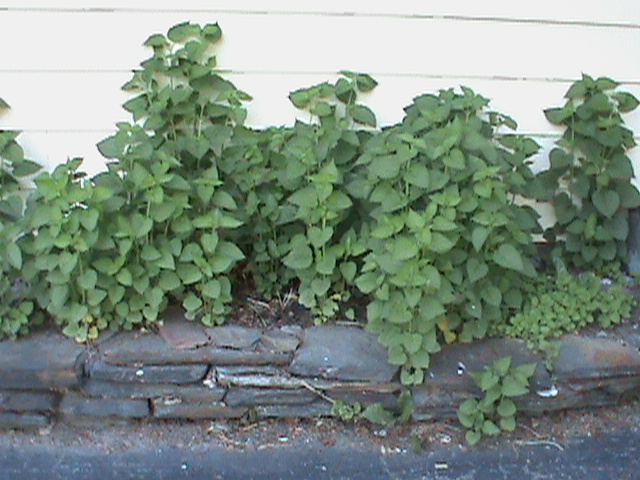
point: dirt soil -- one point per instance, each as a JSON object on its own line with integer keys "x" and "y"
{"x": 552, "y": 430}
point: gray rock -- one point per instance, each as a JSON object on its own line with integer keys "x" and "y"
{"x": 175, "y": 408}
{"x": 26, "y": 421}
{"x": 450, "y": 368}
{"x": 78, "y": 405}
{"x": 179, "y": 332}
{"x": 567, "y": 398}
{"x": 343, "y": 353}
{"x": 633, "y": 241}
{"x": 589, "y": 363}
{"x": 436, "y": 403}
{"x": 150, "y": 349}
{"x": 19, "y": 401}
{"x": 233, "y": 336}
{"x": 385, "y": 394}
{"x": 174, "y": 374}
{"x": 251, "y": 397}
{"x": 311, "y": 410}
{"x": 97, "y": 388}
{"x": 279, "y": 341}
{"x": 42, "y": 360}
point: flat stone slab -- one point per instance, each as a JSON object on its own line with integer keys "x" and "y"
{"x": 385, "y": 394}
{"x": 150, "y": 349}
{"x": 174, "y": 408}
{"x": 18, "y": 401}
{"x": 450, "y": 368}
{"x": 583, "y": 357}
{"x": 233, "y": 336}
{"x": 251, "y": 397}
{"x": 26, "y": 421}
{"x": 279, "y": 341}
{"x": 174, "y": 374}
{"x": 316, "y": 409}
{"x": 78, "y": 405}
{"x": 179, "y": 332}
{"x": 40, "y": 361}
{"x": 97, "y": 388}
{"x": 342, "y": 353}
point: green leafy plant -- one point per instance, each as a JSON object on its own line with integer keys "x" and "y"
{"x": 319, "y": 159}
{"x": 448, "y": 246}
{"x": 496, "y": 411}
{"x": 16, "y": 304}
{"x": 566, "y": 302}
{"x": 375, "y": 412}
{"x": 589, "y": 178}
{"x": 176, "y": 205}
{"x": 346, "y": 412}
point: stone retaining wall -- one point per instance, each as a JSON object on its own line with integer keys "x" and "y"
{"x": 188, "y": 372}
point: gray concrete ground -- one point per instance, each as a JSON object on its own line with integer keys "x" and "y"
{"x": 611, "y": 456}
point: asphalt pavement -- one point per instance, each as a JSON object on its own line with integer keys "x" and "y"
{"x": 609, "y": 456}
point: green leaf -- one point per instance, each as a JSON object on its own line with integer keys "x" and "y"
{"x": 299, "y": 258}
{"x": 606, "y": 202}
{"x": 96, "y": 296}
{"x": 476, "y": 269}
{"x": 212, "y": 289}
{"x": 59, "y": 295}
{"x": 507, "y": 256}
{"x": 156, "y": 40}
{"x": 300, "y": 98}
{"x": 455, "y": 160}
{"x": 440, "y": 243}
{"x": 124, "y": 277}
{"x": 620, "y": 167}
{"x": 397, "y": 355}
{"x": 526, "y": 371}
{"x": 191, "y": 303}
{"x": 492, "y": 296}
{"x": 376, "y": 413}
{"x": 306, "y": 197}
{"x": 348, "y": 271}
{"x": 169, "y": 281}
{"x": 508, "y": 424}
{"x": 24, "y": 168}
{"x": 212, "y": 32}
{"x": 13, "y": 255}
{"x": 362, "y": 114}
{"x": 513, "y": 387}
{"x": 367, "y": 282}
{"x": 478, "y": 236}
{"x": 626, "y": 101}
{"x": 605, "y": 83}
{"x": 88, "y": 280}
{"x": 629, "y": 195}
{"x": 558, "y": 115}
{"x": 490, "y": 428}
{"x": 188, "y": 273}
{"x": 385, "y": 167}
{"x": 182, "y": 31}
{"x": 431, "y": 308}
{"x": 418, "y": 175}
{"x": 472, "y": 437}
{"x": 345, "y": 91}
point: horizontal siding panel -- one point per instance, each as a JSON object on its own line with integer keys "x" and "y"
{"x": 623, "y": 11}
{"x": 112, "y": 42}
{"x": 71, "y": 101}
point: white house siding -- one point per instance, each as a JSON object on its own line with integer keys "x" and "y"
{"x": 63, "y": 62}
